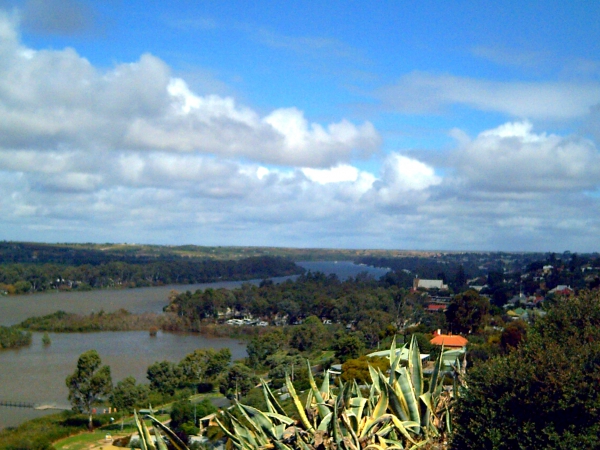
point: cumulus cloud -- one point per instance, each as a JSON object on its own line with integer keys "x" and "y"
{"x": 334, "y": 175}
{"x": 513, "y": 158}
{"x": 52, "y": 99}
{"x": 404, "y": 182}
{"x": 421, "y": 93}
{"x": 132, "y": 153}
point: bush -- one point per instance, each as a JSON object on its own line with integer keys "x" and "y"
{"x": 358, "y": 369}
{"x": 38, "y": 434}
{"x": 544, "y": 393}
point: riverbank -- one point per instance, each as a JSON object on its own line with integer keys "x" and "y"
{"x": 128, "y": 353}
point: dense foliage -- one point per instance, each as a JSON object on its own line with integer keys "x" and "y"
{"x": 121, "y": 320}
{"x": 184, "y": 415}
{"x": 361, "y": 301}
{"x": 11, "y": 337}
{"x": 196, "y": 371}
{"x": 40, "y": 433}
{"x": 128, "y": 395}
{"x": 543, "y": 394}
{"x": 24, "y": 270}
{"x": 90, "y": 383}
{"x": 467, "y": 312}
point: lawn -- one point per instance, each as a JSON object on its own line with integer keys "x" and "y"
{"x": 86, "y": 440}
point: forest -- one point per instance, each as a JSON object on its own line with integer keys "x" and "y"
{"x": 28, "y": 268}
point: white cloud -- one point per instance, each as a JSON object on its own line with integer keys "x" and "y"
{"x": 512, "y": 158}
{"x": 334, "y": 175}
{"x": 421, "y": 93}
{"x": 408, "y": 174}
{"x": 51, "y": 99}
{"x": 132, "y": 153}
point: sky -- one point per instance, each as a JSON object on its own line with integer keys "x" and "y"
{"x": 425, "y": 125}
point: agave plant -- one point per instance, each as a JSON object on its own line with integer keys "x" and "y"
{"x": 397, "y": 413}
{"x": 146, "y": 441}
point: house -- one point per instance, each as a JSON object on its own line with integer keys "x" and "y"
{"x": 454, "y": 348}
{"x": 429, "y": 284}
{"x": 477, "y": 287}
{"x": 436, "y": 308}
{"x": 561, "y": 289}
{"x": 517, "y": 314}
{"x": 449, "y": 341}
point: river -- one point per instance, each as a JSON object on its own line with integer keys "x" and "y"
{"x": 37, "y": 373}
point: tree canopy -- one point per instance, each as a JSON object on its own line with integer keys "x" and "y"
{"x": 90, "y": 382}
{"x": 467, "y": 312}
{"x": 543, "y": 394}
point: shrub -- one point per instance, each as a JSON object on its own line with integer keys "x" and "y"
{"x": 543, "y": 394}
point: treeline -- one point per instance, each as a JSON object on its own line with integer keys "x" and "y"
{"x": 74, "y": 255}
{"x": 19, "y": 278}
{"x": 361, "y": 301}
{"x": 121, "y": 320}
{"x": 406, "y": 268}
{"x": 11, "y": 337}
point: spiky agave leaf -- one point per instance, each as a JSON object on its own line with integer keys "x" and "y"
{"x": 321, "y": 408}
{"x": 138, "y": 425}
{"x": 390, "y": 417}
{"x": 272, "y": 403}
{"x": 162, "y": 445}
{"x": 145, "y": 438}
{"x": 407, "y": 391}
{"x": 264, "y": 428}
{"x": 173, "y": 438}
{"x": 298, "y": 404}
{"x": 415, "y": 367}
{"x": 325, "y": 389}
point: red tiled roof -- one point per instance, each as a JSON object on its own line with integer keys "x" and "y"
{"x": 449, "y": 340}
{"x": 436, "y": 307}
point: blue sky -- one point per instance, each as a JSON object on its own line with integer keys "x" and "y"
{"x": 414, "y": 125}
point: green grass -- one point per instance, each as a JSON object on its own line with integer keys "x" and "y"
{"x": 80, "y": 441}
{"x": 39, "y": 433}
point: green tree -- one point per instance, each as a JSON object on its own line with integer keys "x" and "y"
{"x": 293, "y": 365}
{"x": 183, "y": 420}
{"x": 238, "y": 380}
{"x": 358, "y": 369}
{"x": 348, "y": 346}
{"x": 165, "y": 377}
{"x": 467, "y": 312}
{"x": 374, "y": 325}
{"x": 308, "y": 336}
{"x": 185, "y": 416}
{"x": 460, "y": 279}
{"x": 128, "y": 395}
{"x": 544, "y": 394}
{"x": 261, "y": 347}
{"x": 204, "y": 365}
{"x": 90, "y": 383}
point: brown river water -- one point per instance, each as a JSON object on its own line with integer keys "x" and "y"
{"x": 37, "y": 373}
